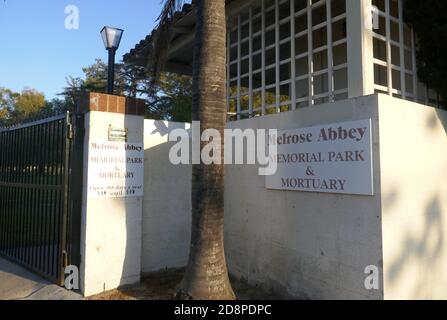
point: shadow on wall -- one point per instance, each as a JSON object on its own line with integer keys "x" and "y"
{"x": 131, "y": 208}
{"x": 427, "y": 249}
{"x": 164, "y": 128}
{"x": 167, "y": 201}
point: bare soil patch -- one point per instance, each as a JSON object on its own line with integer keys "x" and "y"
{"x": 162, "y": 286}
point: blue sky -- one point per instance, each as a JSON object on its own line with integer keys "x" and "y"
{"x": 36, "y": 50}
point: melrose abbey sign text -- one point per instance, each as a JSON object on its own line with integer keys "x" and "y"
{"x": 334, "y": 158}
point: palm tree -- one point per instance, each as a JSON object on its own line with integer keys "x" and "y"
{"x": 206, "y": 276}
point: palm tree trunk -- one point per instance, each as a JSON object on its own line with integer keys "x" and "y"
{"x": 206, "y": 277}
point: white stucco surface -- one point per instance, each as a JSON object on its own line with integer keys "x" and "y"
{"x": 317, "y": 246}
{"x": 167, "y": 202}
{"x": 304, "y": 245}
{"x": 111, "y": 227}
{"x": 413, "y": 149}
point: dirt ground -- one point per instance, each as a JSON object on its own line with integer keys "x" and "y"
{"x": 162, "y": 285}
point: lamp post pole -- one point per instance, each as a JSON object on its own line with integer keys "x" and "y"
{"x": 111, "y": 71}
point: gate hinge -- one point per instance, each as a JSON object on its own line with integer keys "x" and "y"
{"x": 64, "y": 259}
{"x": 69, "y": 131}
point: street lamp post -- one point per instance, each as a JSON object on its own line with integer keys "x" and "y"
{"x": 112, "y": 38}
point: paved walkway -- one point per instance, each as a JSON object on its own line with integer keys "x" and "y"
{"x": 16, "y": 283}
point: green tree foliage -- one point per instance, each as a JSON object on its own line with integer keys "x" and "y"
{"x": 28, "y": 103}
{"x": 428, "y": 19}
{"x": 172, "y": 100}
{"x": 18, "y": 107}
{"x": 6, "y": 105}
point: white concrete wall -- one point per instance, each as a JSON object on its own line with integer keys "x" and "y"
{"x": 167, "y": 202}
{"x": 304, "y": 245}
{"x": 414, "y": 199}
{"x": 111, "y": 228}
{"x": 316, "y": 246}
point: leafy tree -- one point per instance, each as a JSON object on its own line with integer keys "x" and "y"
{"x": 172, "y": 100}
{"x": 18, "y": 107}
{"x": 6, "y": 105}
{"x": 28, "y": 103}
{"x": 428, "y": 19}
{"x": 206, "y": 274}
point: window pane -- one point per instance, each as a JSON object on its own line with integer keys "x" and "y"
{"x": 338, "y": 7}
{"x": 340, "y": 53}
{"x": 395, "y": 31}
{"x": 270, "y": 57}
{"x": 300, "y": 23}
{"x": 320, "y": 60}
{"x": 408, "y": 60}
{"x": 257, "y": 80}
{"x": 284, "y": 50}
{"x": 302, "y": 88}
{"x": 284, "y": 72}
{"x": 301, "y": 45}
{"x": 302, "y": 67}
{"x": 320, "y": 84}
{"x": 395, "y": 55}
{"x": 396, "y": 80}
{"x": 284, "y": 31}
{"x": 300, "y": 5}
{"x": 318, "y": 15}
{"x": 409, "y": 83}
{"x": 380, "y": 75}
{"x": 379, "y": 49}
{"x": 319, "y": 37}
{"x": 340, "y": 79}
{"x": 339, "y": 30}
{"x": 284, "y": 10}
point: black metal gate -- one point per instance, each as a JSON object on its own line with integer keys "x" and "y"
{"x": 40, "y": 194}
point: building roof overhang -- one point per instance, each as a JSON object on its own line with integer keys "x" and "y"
{"x": 180, "y": 53}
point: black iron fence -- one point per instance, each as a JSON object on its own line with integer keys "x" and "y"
{"x": 39, "y": 219}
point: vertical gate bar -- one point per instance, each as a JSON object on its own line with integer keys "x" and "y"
{"x": 25, "y": 200}
{"x": 24, "y": 154}
{"x": 5, "y": 178}
{"x": 41, "y": 198}
{"x": 2, "y": 190}
{"x": 9, "y": 195}
{"x": 18, "y": 177}
{"x": 47, "y": 197}
{"x": 35, "y": 143}
{"x": 15, "y": 196}
{"x": 36, "y": 228}
{"x": 53, "y": 160}
{"x": 75, "y": 189}
{"x": 66, "y": 160}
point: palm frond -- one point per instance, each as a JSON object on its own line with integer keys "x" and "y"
{"x": 161, "y": 38}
